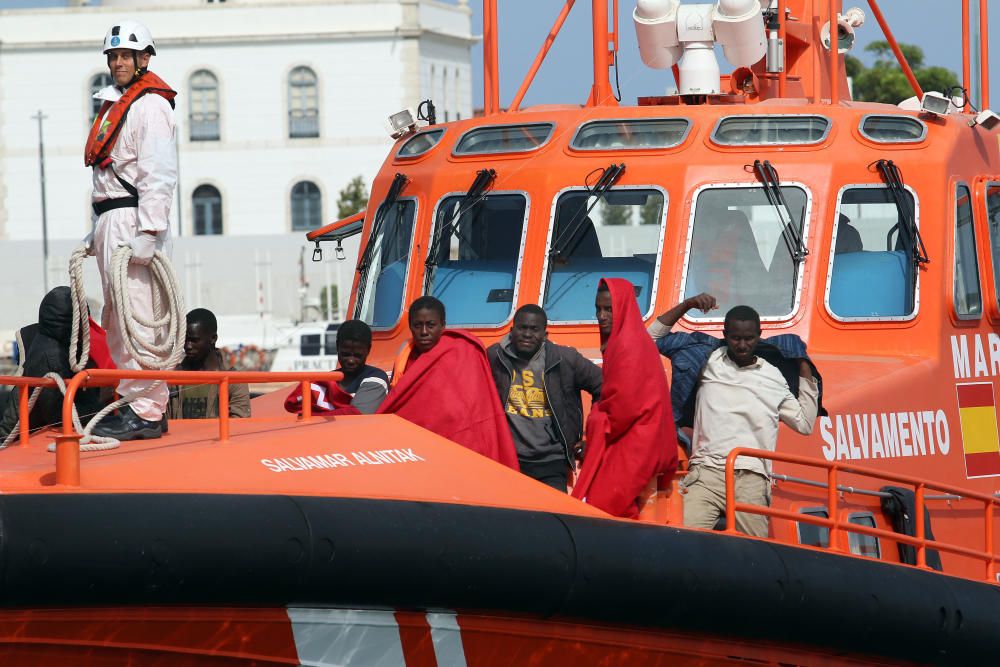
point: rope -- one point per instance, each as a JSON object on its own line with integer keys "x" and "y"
{"x": 168, "y": 313}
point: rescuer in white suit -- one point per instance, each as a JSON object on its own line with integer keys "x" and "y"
{"x": 132, "y": 149}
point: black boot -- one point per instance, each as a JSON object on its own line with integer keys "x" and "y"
{"x": 128, "y": 426}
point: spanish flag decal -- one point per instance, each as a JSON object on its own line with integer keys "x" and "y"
{"x": 980, "y": 441}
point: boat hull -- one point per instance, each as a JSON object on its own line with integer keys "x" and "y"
{"x": 131, "y": 554}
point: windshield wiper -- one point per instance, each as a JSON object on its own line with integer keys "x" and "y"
{"x": 792, "y": 236}
{"x": 915, "y": 244}
{"x": 472, "y": 198}
{"x": 399, "y": 181}
{"x": 564, "y": 244}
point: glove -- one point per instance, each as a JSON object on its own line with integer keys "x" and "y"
{"x": 143, "y": 247}
{"x": 88, "y": 242}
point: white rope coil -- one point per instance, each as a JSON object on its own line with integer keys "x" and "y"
{"x": 164, "y": 352}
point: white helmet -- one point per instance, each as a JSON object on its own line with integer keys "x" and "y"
{"x": 129, "y": 35}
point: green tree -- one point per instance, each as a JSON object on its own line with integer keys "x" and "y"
{"x": 885, "y": 82}
{"x": 615, "y": 215}
{"x": 651, "y": 211}
{"x": 353, "y": 198}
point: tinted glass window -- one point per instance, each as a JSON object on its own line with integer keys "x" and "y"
{"x": 739, "y": 253}
{"x": 863, "y": 545}
{"x": 762, "y": 130}
{"x": 812, "y": 535}
{"x": 872, "y": 274}
{"x": 631, "y": 134}
{"x": 309, "y": 345}
{"x": 303, "y": 103}
{"x": 207, "y": 203}
{"x": 475, "y": 250}
{"x": 383, "y": 281}
{"x": 204, "y": 119}
{"x": 968, "y": 300}
{"x": 893, "y": 129}
{"x": 504, "y": 139}
{"x": 307, "y": 206}
{"x": 993, "y": 220}
{"x": 610, "y": 241}
{"x": 420, "y": 143}
{"x": 97, "y": 83}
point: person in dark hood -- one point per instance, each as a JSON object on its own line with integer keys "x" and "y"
{"x": 540, "y": 385}
{"x": 47, "y": 351}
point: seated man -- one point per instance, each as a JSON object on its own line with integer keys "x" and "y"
{"x": 442, "y": 382}
{"x": 201, "y": 401}
{"x": 740, "y": 400}
{"x": 630, "y": 432}
{"x": 45, "y": 349}
{"x": 540, "y": 384}
{"x": 363, "y": 388}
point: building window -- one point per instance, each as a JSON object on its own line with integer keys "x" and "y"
{"x": 968, "y": 300}
{"x": 98, "y": 82}
{"x": 204, "y": 106}
{"x": 307, "y": 206}
{"x": 207, "y": 204}
{"x": 303, "y": 104}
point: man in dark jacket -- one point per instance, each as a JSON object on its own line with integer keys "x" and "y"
{"x": 47, "y": 351}
{"x": 539, "y": 384}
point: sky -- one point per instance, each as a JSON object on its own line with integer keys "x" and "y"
{"x": 565, "y": 76}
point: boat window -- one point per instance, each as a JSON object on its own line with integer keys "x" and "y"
{"x": 330, "y": 337}
{"x": 474, "y": 254}
{"x": 968, "y": 300}
{"x": 383, "y": 280}
{"x": 764, "y": 130}
{"x": 504, "y": 139}
{"x": 631, "y": 134}
{"x": 420, "y": 143}
{"x": 812, "y": 535}
{"x": 993, "y": 219}
{"x": 309, "y": 345}
{"x": 620, "y": 238}
{"x": 893, "y": 129}
{"x": 863, "y": 545}
{"x": 738, "y": 251}
{"x": 872, "y": 276}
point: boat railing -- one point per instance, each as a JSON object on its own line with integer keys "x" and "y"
{"x": 68, "y": 442}
{"x": 988, "y": 554}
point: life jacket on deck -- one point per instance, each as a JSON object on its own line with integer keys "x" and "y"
{"x": 111, "y": 118}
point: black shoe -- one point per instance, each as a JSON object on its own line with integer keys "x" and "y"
{"x": 128, "y": 426}
{"x": 163, "y": 424}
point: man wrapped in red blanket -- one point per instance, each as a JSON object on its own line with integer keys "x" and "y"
{"x": 630, "y": 431}
{"x": 443, "y": 383}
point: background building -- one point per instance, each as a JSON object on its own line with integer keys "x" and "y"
{"x": 280, "y": 103}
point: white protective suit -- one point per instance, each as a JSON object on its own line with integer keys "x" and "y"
{"x": 144, "y": 155}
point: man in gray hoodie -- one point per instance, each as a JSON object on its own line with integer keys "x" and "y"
{"x": 540, "y": 385}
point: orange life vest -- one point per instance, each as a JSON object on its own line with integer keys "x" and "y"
{"x": 111, "y": 118}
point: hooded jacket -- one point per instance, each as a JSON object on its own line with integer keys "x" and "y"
{"x": 48, "y": 352}
{"x": 567, "y": 373}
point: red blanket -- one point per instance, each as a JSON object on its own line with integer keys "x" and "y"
{"x": 630, "y": 431}
{"x": 450, "y": 391}
{"x": 327, "y": 399}
{"x": 99, "y": 352}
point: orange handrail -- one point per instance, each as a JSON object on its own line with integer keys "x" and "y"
{"x": 988, "y": 555}
{"x": 68, "y": 444}
{"x": 24, "y": 430}
{"x": 894, "y": 45}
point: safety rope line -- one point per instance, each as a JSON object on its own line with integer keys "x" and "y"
{"x": 168, "y": 314}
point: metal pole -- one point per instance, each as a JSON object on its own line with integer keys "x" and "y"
{"x": 984, "y": 55}
{"x": 180, "y": 202}
{"x": 45, "y": 220}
